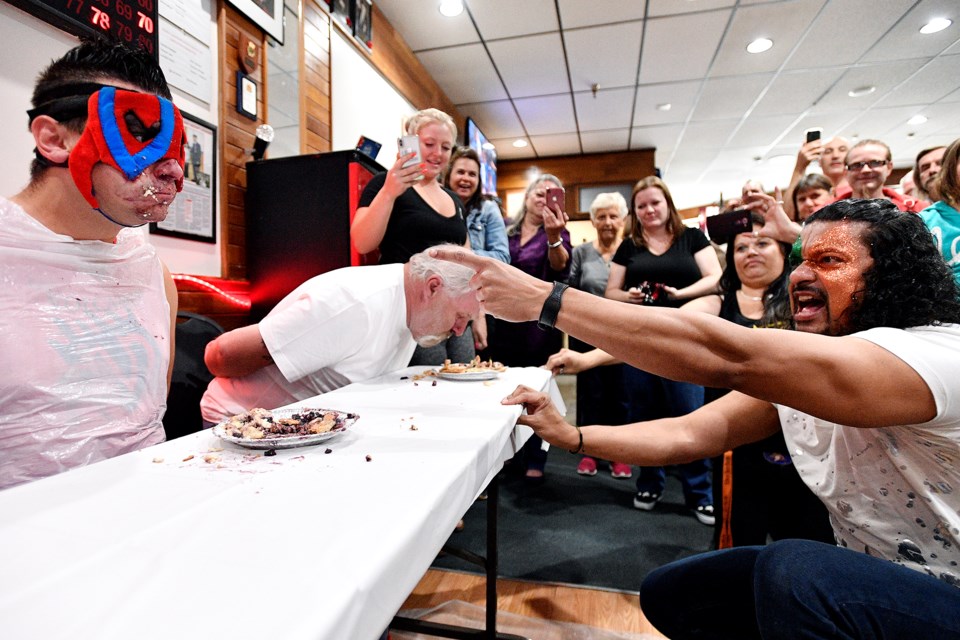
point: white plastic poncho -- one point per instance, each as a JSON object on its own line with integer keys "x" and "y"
{"x": 84, "y": 348}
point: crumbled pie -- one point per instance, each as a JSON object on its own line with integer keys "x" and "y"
{"x": 474, "y": 366}
{"x": 257, "y": 424}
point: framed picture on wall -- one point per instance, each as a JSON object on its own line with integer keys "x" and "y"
{"x": 362, "y": 19}
{"x": 193, "y": 214}
{"x": 343, "y": 13}
{"x": 266, "y": 14}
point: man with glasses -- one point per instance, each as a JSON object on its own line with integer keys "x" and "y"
{"x": 869, "y": 165}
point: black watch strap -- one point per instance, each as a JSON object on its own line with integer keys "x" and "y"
{"x": 551, "y": 307}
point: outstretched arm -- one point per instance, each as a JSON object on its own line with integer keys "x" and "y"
{"x": 237, "y": 353}
{"x": 731, "y": 421}
{"x": 833, "y": 378}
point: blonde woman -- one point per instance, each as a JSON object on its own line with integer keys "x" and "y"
{"x": 407, "y": 210}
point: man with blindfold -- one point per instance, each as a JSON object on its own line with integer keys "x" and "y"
{"x": 86, "y": 307}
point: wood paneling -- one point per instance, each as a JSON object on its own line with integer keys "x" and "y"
{"x": 315, "y": 134}
{"x": 577, "y": 171}
{"x": 391, "y": 56}
{"x": 395, "y": 60}
{"x": 610, "y": 610}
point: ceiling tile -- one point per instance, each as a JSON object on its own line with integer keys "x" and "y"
{"x": 556, "y": 145}
{"x": 602, "y": 55}
{"x": 681, "y": 47}
{"x": 884, "y": 76}
{"x": 506, "y": 150}
{"x": 776, "y": 21}
{"x": 796, "y": 91}
{"x": 758, "y": 131}
{"x": 495, "y": 119}
{"x": 672, "y": 7}
{"x": 708, "y": 135}
{"x": 577, "y": 13}
{"x": 906, "y": 36}
{"x": 422, "y": 25}
{"x": 446, "y": 67}
{"x": 547, "y": 114}
{"x": 606, "y": 110}
{"x": 659, "y": 137}
{"x": 877, "y": 123}
{"x": 729, "y": 97}
{"x": 600, "y": 141}
{"x": 831, "y": 41}
{"x": 930, "y": 83}
{"x": 681, "y": 96}
{"x": 507, "y": 18}
{"x": 530, "y": 66}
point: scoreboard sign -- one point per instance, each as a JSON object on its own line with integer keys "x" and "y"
{"x": 132, "y": 22}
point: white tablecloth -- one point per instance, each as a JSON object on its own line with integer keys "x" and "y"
{"x": 304, "y": 544}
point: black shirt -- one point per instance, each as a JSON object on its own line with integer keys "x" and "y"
{"x": 414, "y": 225}
{"x": 676, "y": 267}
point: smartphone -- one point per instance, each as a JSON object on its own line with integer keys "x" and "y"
{"x": 556, "y": 196}
{"x": 408, "y": 145}
{"x": 723, "y": 227}
{"x": 813, "y": 134}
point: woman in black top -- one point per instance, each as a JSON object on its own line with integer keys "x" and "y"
{"x": 663, "y": 263}
{"x": 406, "y": 210}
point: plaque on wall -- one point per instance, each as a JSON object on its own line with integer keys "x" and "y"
{"x": 362, "y": 19}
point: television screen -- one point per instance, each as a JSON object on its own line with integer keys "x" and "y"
{"x": 488, "y": 157}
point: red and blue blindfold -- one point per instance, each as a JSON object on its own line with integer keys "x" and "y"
{"x": 128, "y": 131}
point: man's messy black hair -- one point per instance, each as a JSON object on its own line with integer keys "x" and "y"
{"x": 94, "y": 61}
{"x": 909, "y": 284}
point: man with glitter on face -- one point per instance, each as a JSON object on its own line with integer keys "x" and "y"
{"x": 87, "y": 309}
{"x": 866, "y": 395}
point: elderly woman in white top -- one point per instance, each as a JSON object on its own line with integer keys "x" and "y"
{"x": 600, "y": 390}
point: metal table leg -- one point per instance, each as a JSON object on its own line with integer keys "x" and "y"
{"x": 490, "y": 569}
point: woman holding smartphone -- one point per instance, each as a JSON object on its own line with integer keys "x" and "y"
{"x": 661, "y": 262}
{"x": 406, "y": 210}
{"x": 485, "y": 228}
{"x": 540, "y": 246}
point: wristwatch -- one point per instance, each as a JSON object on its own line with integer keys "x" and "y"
{"x": 554, "y": 245}
{"x": 551, "y": 307}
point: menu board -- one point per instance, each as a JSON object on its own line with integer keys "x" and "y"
{"x": 132, "y": 22}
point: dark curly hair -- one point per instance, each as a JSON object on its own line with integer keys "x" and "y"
{"x": 909, "y": 284}
{"x": 776, "y": 299}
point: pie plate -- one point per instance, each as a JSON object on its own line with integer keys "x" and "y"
{"x": 274, "y": 441}
{"x": 468, "y": 375}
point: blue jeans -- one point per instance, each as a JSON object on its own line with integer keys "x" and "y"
{"x": 650, "y": 397}
{"x": 797, "y": 589}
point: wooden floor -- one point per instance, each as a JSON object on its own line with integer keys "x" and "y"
{"x": 611, "y": 610}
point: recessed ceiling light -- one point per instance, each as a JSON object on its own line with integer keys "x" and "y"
{"x": 488, "y": 145}
{"x": 666, "y": 106}
{"x": 451, "y": 8}
{"x": 935, "y": 25}
{"x": 759, "y": 45}
{"x": 861, "y": 91}
{"x": 520, "y": 143}
{"x": 917, "y": 119}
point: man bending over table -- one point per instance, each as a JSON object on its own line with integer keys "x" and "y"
{"x": 868, "y": 398}
{"x": 344, "y": 326}
{"x": 86, "y": 307}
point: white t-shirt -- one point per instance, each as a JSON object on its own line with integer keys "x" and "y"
{"x": 340, "y": 327}
{"x": 84, "y": 347}
{"x": 893, "y": 492}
